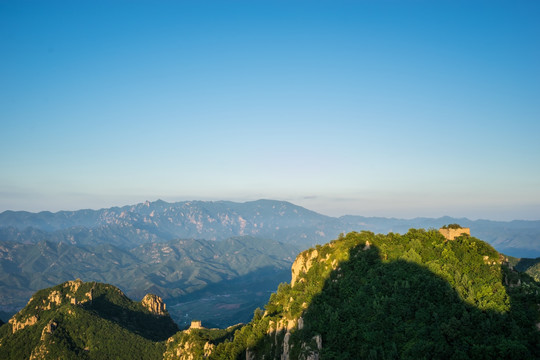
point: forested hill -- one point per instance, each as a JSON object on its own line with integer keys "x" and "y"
{"x": 411, "y": 296}
{"x": 519, "y": 238}
{"x": 78, "y": 320}
{"x": 160, "y": 221}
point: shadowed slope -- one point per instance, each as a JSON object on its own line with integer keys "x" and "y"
{"x": 394, "y": 296}
{"x": 399, "y": 309}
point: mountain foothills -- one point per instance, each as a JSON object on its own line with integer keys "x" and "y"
{"x": 361, "y": 296}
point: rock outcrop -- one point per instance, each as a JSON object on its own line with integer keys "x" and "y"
{"x": 312, "y": 350}
{"x": 154, "y": 304}
{"x": 302, "y": 264}
{"x": 41, "y": 351}
{"x": 250, "y": 355}
{"x": 48, "y": 329}
{"x": 17, "y": 325}
{"x": 280, "y": 335}
{"x": 187, "y": 350}
{"x": 208, "y": 349}
{"x": 286, "y": 346}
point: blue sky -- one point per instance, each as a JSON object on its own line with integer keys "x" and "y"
{"x": 376, "y": 108}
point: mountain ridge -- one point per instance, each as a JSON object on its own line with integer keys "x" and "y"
{"x": 160, "y": 221}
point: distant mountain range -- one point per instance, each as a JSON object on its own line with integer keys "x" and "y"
{"x": 223, "y": 251}
{"x": 159, "y": 221}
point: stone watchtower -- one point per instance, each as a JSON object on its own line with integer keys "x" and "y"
{"x": 196, "y": 324}
{"x": 452, "y": 231}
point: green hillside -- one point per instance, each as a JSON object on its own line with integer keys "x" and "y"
{"x": 412, "y": 296}
{"x": 529, "y": 266}
{"x": 197, "y": 343}
{"x": 77, "y": 320}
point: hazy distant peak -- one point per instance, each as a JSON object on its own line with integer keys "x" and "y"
{"x": 155, "y": 221}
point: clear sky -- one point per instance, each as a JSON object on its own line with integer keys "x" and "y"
{"x": 375, "y": 108}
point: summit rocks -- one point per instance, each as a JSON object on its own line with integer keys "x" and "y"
{"x": 154, "y": 304}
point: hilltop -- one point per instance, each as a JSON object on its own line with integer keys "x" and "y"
{"x": 78, "y": 320}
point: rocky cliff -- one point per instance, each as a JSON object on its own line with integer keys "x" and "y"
{"x": 154, "y": 304}
{"x": 66, "y": 293}
{"x": 197, "y": 342}
{"x": 302, "y": 264}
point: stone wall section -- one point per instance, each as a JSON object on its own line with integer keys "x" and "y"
{"x": 451, "y": 234}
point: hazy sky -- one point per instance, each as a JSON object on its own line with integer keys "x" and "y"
{"x": 376, "y": 108}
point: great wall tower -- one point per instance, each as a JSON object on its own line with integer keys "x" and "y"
{"x": 451, "y": 232}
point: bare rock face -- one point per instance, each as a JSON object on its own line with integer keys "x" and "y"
{"x": 286, "y": 348}
{"x": 154, "y": 304}
{"x": 188, "y": 351}
{"x": 48, "y": 329}
{"x": 250, "y": 355}
{"x": 17, "y": 325}
{"x": 300, "y": 323}
{"x": 302, "y": 264}
{"x": 208, "y": 349}
{"x": 55, "y": 298}
{"x": 73, "y": 285}
{"x": 312, "y": 349}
